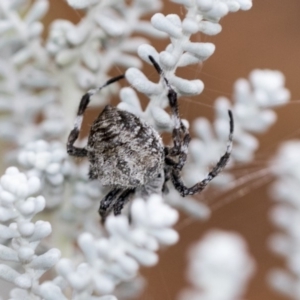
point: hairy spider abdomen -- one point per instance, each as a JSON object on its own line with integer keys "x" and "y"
{"x": 123, "y": 150}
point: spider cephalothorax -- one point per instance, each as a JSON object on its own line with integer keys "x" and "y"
{"x": 127, "y": 154}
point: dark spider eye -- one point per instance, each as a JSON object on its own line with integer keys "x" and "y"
{"x": 159, "y": 176}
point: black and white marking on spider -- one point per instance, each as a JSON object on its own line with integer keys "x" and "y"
{"x": 128, "y": 155}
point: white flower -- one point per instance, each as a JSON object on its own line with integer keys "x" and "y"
{"x": 109, "y": 261}
{"x": 19, "y": 236}
{"x": 220, "y": 267}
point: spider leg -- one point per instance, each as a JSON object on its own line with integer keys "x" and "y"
{"x": 182, "y": 155}
{"x": 106, "y": 203}
{"x": 164, "y": 188}
{"x": 121, "y": 201}
{"x": 180, "y": 134}
{"x": 198, "y": 187}
{"x": 172, "y": 96}
{"x": 85, "y": 100}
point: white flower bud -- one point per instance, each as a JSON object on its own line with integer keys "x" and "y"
{"x": 37, "y": 11}
{"x": 139, "y": 81}
{"x": 35, "y": 29}
{"x": 160, "y": 22}
{"x": 8, "y": 232}
{"x": 129, "y": 96}
{"x": 41, "y": 230}
{"x": 81, "y": 4}
{"x": 27, "y": 207}
{"x": 46, "y": 260}
{"x": 7, "y": 197}
{"x": 210, "y": 28}
{"x": 25, "y": 228}
{"x": 103, "y": 284}
{"x": 7, "y": 273}
{"x": 138, "y": 211}
{"x": 34, "y": 184}
{"x": 49, "y": 291}
{"x": 58, "y": 155}
{"x": 233, "y": 6}
{"x": 53, "y": 168}
{"x": 187, "y": 87}
{"x": 205, "y": 5}
{"x": 40, "y": 203}
{"x": 167, "y": 60}
{"x": 56, "y": 179}
{"x": 81, "y": 279}
{"x": 5, "y": 25}
{"x": 216, "y": 256}
{"x": 187, "y": 59}
{"x": 144, "y": 257}
{"x": 91, "y": 60}
{"x": 113, "y": 27}
{"x": 144, "y": 51}
{"x": 218, "y": 11}
{"x": 161, "y": 117}
{"x": 141, "y": 238}
{"x": 87, "y": 244}
{"x": 22, "y": 56}
{"x": 201, "y": 50}
{"x": 118, "y": 226}
{"x": 25, "y": 254}
{"x": 245, "y": 4}
{"x": 66, "y": 57}
{"x": 248, "y": 141}
{"x": 77, "y": 34}
{"x": 64, "y": 267}
{"x": 166, "y": 236}
{"x": 190, "y": 26}
{"x": 173, "y": 18}
{"x": 7, "y": 214}
{"x": 23, "y": 281}
{"x": 12, "y": 171}
{"x": 8, "y": 254}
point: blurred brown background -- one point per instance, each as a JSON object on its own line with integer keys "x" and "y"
{"x": 267, "y": 36}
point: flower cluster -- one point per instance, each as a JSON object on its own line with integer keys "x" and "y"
{"x": 105, "y": 261}
{"x": 48, "y": 161}
{"x": 253, "y": 101}
{"x": 109, "y": 261}
{"x": 27, "y": 84}
{"x": 220, "y": 268}
{"x": 20, "y": 238}
{"x": 201, "y": 16}
{"x": 86, "y": 52}
{"x": 286, "y": 216}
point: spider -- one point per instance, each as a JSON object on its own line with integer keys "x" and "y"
{"x": 128, "y": 155}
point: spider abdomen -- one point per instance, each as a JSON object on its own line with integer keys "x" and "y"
{"x": 123, "y": 150}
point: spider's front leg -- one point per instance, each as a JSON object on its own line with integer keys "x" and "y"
{"x": 181, "y": 152}
{"x": 198, "y": 187}
{"x": 107, "y": 202}
{"x": 180, "y": 135}
{"x": 73, "y": 136}
{"x": 114, "y": 200}
{"x": 121, "y": 201}
{"x": 84, "y": 102}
